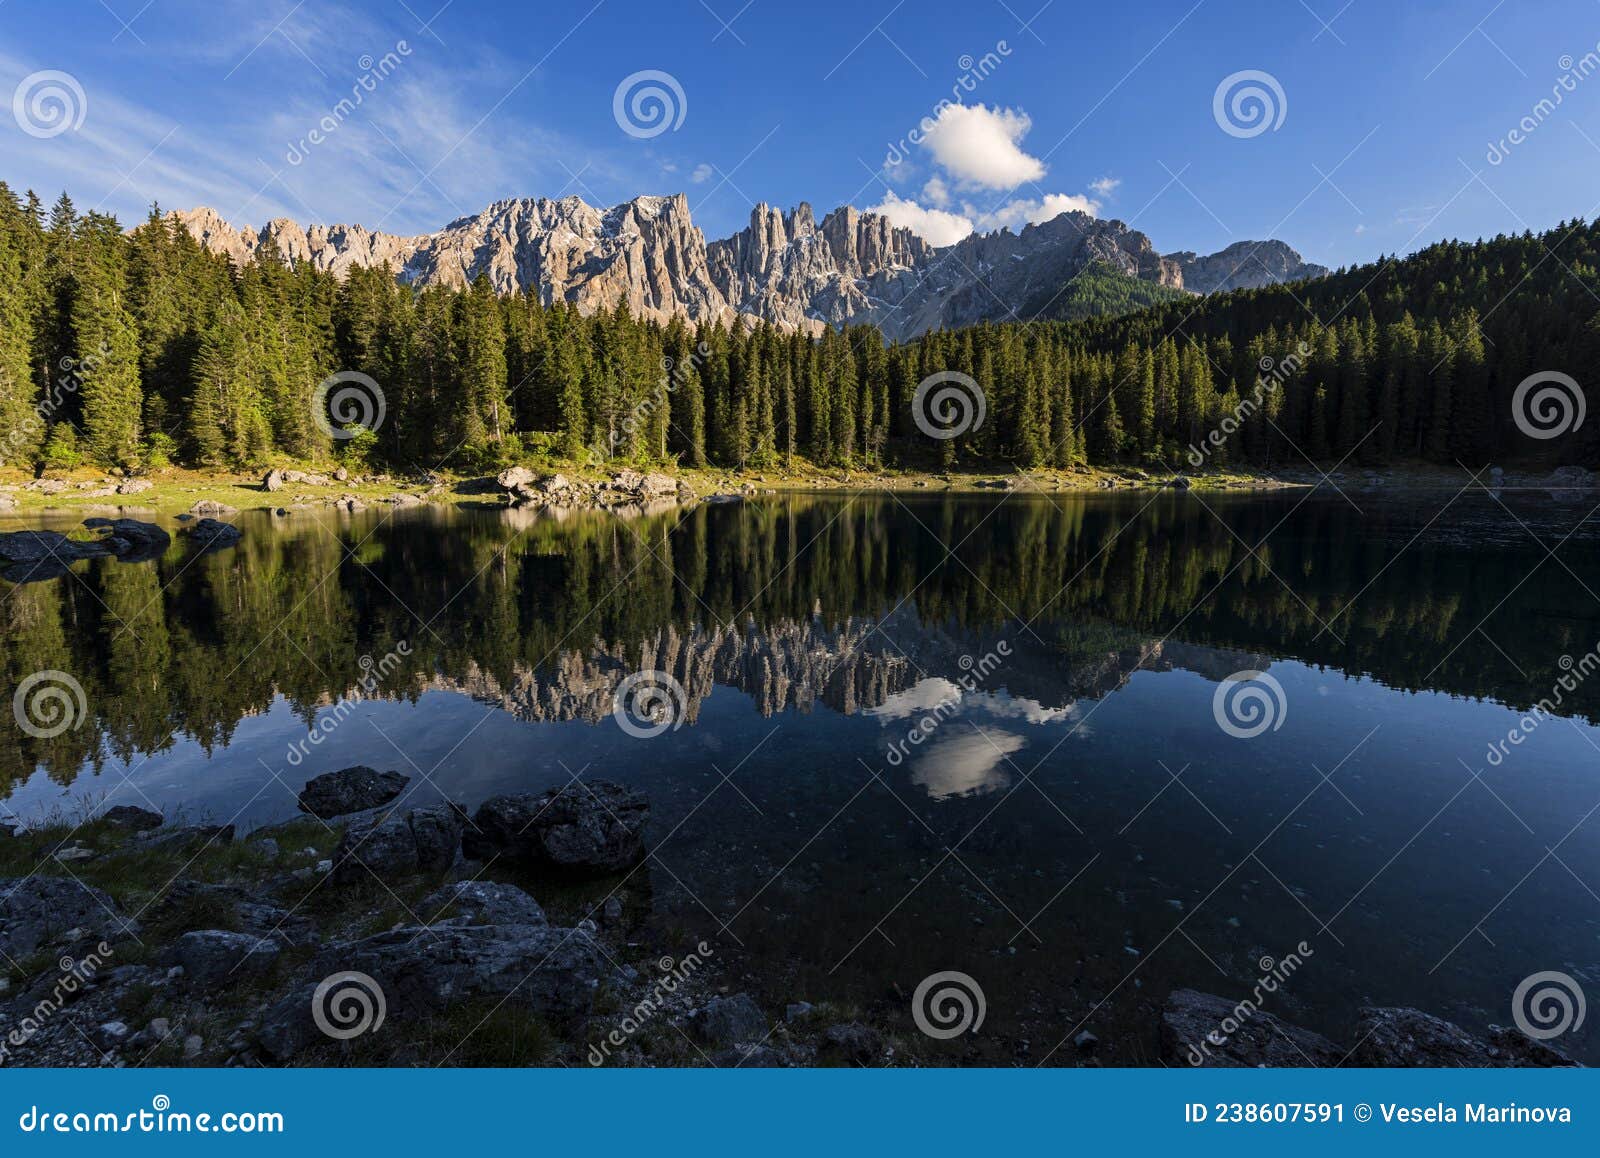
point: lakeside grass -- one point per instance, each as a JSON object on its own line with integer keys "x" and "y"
{"x": 176, "y": 490}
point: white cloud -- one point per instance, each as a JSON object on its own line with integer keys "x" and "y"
{"x": 702, "y": 173}
{"x": 965, "y": 763}
{"x": 935, "y": 226}
{"x": 1025, "y": 211}
{"x": 979, "y": 146}
{"x": 975, "y": 148}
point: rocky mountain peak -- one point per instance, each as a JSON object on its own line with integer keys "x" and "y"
{"x": 1244, "y": 265}
{"x": 784, "y": 267}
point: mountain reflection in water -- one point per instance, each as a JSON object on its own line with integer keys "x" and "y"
{"x": 1070, "y": 826}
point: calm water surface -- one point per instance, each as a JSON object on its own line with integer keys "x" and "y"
{"x": 926, "y": 733}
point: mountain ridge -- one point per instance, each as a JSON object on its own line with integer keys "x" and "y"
{"x": 786, "y": 267}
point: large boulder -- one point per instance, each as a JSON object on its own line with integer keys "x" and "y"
{"x": 196, "y": 836}
{"x": 554, "y": 973}
{"x": 398, "y": 842}
{"x": 585, "y": 828}
{"x": 36, "y": 546}
{"x": 729, "y": 1020}
{"x": 1408, "y": 1038}
{"x": 131, "y": 818}
{"x": 514, "y": 478}
{"x": 851, "y": 1043}
{"x": 1202, "y": 1029}
{"x": 215, "y": 958}
{"x": 353, "y": 789}
{"x": 39, "y": 912}
{"x": 187, "y": 905}
{"x": 211, "y": 535}
{"x": 481, "y": 903}
{"x": 130, "y": 540}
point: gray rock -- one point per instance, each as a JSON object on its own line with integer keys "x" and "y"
{"x": 797, "y": 1010}
{"x": 851, "y": 1043}
{"x": 189, "y": 904}
{"x": 554, "y": 973}
{"x": 514, "y": 477}
{"x": 212, "y": 958}
{"x": 192, "y": 1045}
{"x": 1202, "y": 1029}
{"x": 749, "y": 1057}
{"x": 482, "y": 903}
{"x": 36, "y": 546}
{"x": 37, "y": 912}
{"x": 131, "y": 817}
{"x": 398, "y": 841}
{"x": 729, "y": 1020}
{"x": 198, "y": 835}
{"x": 353, "y": 789}
{"x": 1407, "y": 1038}
{"x": 210, "y": 535}
{"x": 585, "y": 828}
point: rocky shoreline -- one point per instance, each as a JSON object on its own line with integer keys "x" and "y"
{"x": 376, "y": 930}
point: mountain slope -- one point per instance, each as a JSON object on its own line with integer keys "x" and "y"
{"x": 784, "y": 267}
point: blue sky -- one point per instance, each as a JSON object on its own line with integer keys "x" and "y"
{"x": 1388, "y": 107}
